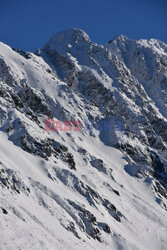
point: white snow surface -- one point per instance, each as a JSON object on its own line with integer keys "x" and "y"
{"x": 48, "y": 203}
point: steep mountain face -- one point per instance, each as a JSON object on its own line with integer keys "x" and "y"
{"x": 101, "y": 183}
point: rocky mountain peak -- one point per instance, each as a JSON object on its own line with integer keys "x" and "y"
{"x": 67, "y": 40}
{"x": 88, "y": 125}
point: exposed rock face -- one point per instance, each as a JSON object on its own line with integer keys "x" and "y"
{"x": 127, "y": 82}
{"x": 118, "y": 94}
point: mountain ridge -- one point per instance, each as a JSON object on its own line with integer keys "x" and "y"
{"x": 97, "y": 184}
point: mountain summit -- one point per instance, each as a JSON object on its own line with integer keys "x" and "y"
{"x": 83, "y": 152}
{"x": 64, "y": 38}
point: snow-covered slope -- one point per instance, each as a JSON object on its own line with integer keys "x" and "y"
{"x": 104, "y": 186}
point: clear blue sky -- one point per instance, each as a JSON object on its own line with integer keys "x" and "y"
{"x": 29, "y": 24}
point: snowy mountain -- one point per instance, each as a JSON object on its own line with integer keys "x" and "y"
{"x": 83, "y": 145}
